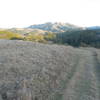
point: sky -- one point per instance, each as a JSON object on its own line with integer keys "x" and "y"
{"x": 23, "y": 13}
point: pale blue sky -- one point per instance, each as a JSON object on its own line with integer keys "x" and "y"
{"x": 22, "y": 13}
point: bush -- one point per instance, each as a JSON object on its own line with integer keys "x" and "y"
{"x": 10, "y": 35}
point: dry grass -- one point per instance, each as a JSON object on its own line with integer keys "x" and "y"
{"x": 33, "y": 71}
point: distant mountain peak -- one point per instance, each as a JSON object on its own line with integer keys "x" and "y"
{"x": 94, "y": 27}
{"x": 54, "y": 27}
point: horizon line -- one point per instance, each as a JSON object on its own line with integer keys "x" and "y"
{"x": 26, "y": 26}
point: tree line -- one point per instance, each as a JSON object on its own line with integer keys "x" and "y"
{"x": 78, "y": 38}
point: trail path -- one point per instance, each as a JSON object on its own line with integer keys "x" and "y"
{"x": 85, "y": 83}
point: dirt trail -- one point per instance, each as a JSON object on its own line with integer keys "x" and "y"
{"x": 84, "y": 85}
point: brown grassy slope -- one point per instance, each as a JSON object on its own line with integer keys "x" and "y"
{"x": 33, "y": 71}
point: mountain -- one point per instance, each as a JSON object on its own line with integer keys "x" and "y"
{"x": 94, "y": 28}
{"x": 55, "y": 27}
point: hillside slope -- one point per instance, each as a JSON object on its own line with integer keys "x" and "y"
{"x": 25, "y": 31}
{"x": 33, "y": 71}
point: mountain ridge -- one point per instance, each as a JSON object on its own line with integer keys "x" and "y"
{"x": 55, "y": 27}
{"x": 94, "y": 27}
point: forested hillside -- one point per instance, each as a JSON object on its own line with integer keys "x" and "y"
{"x": 79, "y": 38}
